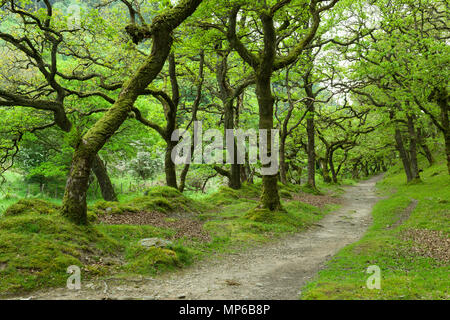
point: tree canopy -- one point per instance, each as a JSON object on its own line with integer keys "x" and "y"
{"x": 99, "y": 88}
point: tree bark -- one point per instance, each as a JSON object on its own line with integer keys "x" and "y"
{"x": 441, "y": 97}
{"x": 443, "y": 104}
{"x": 169, "y": 167}
{"x": 413, "y": 148}
{"x": 283, "y": 164}
{"x": 74, "y": 202}
{"x": 227, "y": 96}
{"x": 403, "y": 155}
{"x": 332, "y": 169}
{"x": 106, "y": 186}
{"x": 365, "y": 168}
{"x": 310, "y": 129}
{"x": 325, "y": 170}
{"x": 270, "y": 198}
{"x": 355, "y": 171}
{"x": 426, "y": 151}
{"x": 234, "y": 181}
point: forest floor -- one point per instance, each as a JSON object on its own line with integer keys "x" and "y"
{"x": 276, "y": 270}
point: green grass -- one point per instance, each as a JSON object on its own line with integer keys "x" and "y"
{"x": 405, "y": 273}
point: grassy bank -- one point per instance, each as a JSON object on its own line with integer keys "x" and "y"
{"x": 37, "y": 245}
{"x": 409, "y": 242}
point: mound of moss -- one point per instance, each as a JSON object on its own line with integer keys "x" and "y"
{"x": 36, "y": 250}
{"x": 106, "y": 207}
{"x": 163, "y": 192}
{"x": 271, "y": 217}
{"x": 155, "y": 260}
{"x": 31, "y": 206}
{"x": 158, "y": 199}
{"x": 226, "y": 196}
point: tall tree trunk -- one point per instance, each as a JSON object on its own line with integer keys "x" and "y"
{"x": 403, "y": 155}
{"x": 235, "y": 174}
{"x": 310, "y": 129}
{"x": 325, "y": 170}
{"x": 441, "y": 97}
{"x": 74, "y": 202}
{"x": 365, "y": 168}
{"x": 413, "y": 148}
{"x": 234, "y": 180}
{"x": 106, "y": 186}
{"x": 426, "y": 151}
{"x": 443, "y": 104}
{"x": 447, "y": 149}
{"x": 183, "y": 177}
{"x": 332, "y": 169}
{"x": 355, "y": 171}
{"x": 169, "y": 167}
{"x": 244, "y": 174}
{"x": 283, "y": 164}
{"x": 249, "y": 172}
{"x": 270, "y": 196}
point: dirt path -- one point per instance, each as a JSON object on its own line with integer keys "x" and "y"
{"x": 275, "y": 271}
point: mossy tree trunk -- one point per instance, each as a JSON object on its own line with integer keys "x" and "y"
{"x": 234, "y": 180}
{"x": 310, "y": 129}
{"x": 169, "y": 167}
{"x": 183, "y": 177}
{"x": 283, "y": 164}
{"x": 74, "y": 202}
{"x": 413, "y": 148}
{"x": 403, "y": 155}
{"x": 355, "y": 170}
{"x": 445, "y": 112}
{"x": 426, "y": 150}
{"x": 228, "y": 95}
{"x": 264, "y": 64}
{"x": 332, "y": 168}
{"x": 104, "y": 181}
{"x": 440, "y": 96}
{"x": 325, "y": 171}
{"x": 270, "y": 198}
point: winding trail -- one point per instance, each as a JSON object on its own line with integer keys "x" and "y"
{"x": 275, "y": 271}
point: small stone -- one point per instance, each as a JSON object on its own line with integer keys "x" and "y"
{"x": 90, "y": 286}
{"x": 155, "y": 243}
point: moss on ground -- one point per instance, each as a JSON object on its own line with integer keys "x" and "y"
{"x": 226, "y": 196}
{"x": 158, "y": 199}
{"x": 37, "y": 249}
{"x": 31, "y": 206}
{"x": 156, "y": 260}
{"x": 37, "y": 245}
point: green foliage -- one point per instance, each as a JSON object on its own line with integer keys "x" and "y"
{"x": 145, "y": 166}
